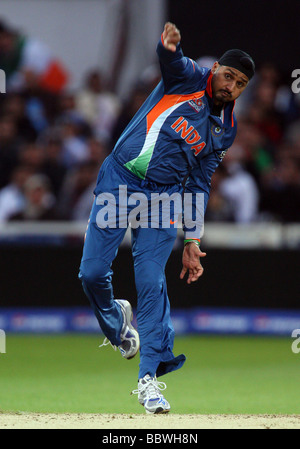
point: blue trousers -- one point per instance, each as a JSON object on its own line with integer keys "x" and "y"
{"x": 151, "y": 248}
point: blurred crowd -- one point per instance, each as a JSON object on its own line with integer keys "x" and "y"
{"x": 53, "y": 140}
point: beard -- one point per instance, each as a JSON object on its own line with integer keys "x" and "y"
{"x": 222, "y": 96}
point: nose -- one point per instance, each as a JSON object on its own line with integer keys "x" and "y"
{"x": 230, "y": 86}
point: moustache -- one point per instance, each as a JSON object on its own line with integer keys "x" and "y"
{"x": 226, "y": 92}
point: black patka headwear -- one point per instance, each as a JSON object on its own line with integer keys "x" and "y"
{"x": 239, "y": 60}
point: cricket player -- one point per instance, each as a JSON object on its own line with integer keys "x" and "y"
{"x": 182, "y": 131}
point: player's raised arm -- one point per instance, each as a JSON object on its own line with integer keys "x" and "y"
{"x": 171, "y": 36}
{"x": 175, "y": 67}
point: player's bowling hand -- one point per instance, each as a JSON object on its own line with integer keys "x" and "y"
{"x": 171, "y": 36}
{"x": 191, "y": 262}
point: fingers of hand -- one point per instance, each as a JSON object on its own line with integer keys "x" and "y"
{"x": 170, "y": 27}
{"x": 194, "y": 274}
{"x": 183, "y": 271}
{"x": 171, "y": 36}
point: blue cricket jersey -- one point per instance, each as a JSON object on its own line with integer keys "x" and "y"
{"x": 175, "y": 135}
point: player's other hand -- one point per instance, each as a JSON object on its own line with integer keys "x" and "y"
{"x": 171, "y": 36}
{"x": 191, "y": 262}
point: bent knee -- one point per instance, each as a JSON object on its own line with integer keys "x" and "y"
{"x": 95, "y": 271}
{"x": 151, "y": 286}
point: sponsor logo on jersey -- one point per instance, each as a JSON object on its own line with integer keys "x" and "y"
{"x": 196, "y": 104}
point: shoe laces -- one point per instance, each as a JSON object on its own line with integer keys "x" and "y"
{"x": 106, "y": 342}
{"x": 151, "y": 387}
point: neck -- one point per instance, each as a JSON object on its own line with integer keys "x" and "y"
{"x": 217, "y": 107}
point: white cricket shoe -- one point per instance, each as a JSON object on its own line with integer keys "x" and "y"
{"x": 129, "y": 335}
{"x": 130, "y": 340}
{"x": 149, "y": 395}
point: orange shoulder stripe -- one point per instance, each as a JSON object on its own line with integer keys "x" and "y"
{"x": 168, "y": 101}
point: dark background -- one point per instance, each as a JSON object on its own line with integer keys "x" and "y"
{"x": 267, "y": 30}
{"x": 46, "y": 276}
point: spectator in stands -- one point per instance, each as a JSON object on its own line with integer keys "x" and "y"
{"x": 82, "y": 207}
{"x": 259, "y": 153}
{"x": 219, "y": 208}
{"x": 135, "y": 100}
{"x": 74, "y": 146}
{"x": 22, "y": 56}
{"x": 150, "y": 77}
{"x": 12, "y": 200}
{"x": 39, "y": 201}
{"x": 98, "y": 105}
{"x": 98, "y": 150}
{"x": 33, "y": 156}
{"x": 15, "y": 106}
{"x": 264, "y": 114}
{"x": 292, "y": 136}
{"x": 77, "y": 183}
{"x": 239, "y": 187}
{"x": 53, "y": 166}
{"x": 9, "y": 148}
{"x": 281, "y": 189}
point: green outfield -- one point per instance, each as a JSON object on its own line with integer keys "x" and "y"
{"x": 231, "y": 375}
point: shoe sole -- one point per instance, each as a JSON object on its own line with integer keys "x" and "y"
{"x": 158, "y": 411}
{"x": 129, "y": 317}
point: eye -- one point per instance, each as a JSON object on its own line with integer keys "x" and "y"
{"x": 240, "y": 84}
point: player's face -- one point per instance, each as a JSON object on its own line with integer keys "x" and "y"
{"x": 227, "y": 83}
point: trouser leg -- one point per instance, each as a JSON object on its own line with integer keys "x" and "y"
{"x": 151, "y": 250}
{"x": 100, "y": 249}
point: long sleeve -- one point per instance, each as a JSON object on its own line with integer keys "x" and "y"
{"x": 196, "y": 195}
{"x": 176, "y": 67}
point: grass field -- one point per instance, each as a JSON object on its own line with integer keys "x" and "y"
{"x": 222, "y": 375}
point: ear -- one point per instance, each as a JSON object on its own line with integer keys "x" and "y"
{"x": 215, "y": 67}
